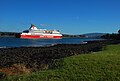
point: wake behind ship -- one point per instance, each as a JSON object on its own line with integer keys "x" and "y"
{"x": 33, "y": 32}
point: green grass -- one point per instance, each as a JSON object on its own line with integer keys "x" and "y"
{"x": 98, "y": 66}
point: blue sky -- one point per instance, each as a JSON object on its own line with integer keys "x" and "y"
{"x": 68, "y": 16}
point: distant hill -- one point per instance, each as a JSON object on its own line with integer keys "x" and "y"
{"x": 69, "y": 35}
{"x": 94, "y": 34}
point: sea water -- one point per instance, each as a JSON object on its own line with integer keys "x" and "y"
{"x": 18, "y": 42}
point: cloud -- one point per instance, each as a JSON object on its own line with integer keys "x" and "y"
{"x": 43, "y": 24}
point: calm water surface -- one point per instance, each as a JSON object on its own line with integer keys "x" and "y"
{"x": 17, "y": 42}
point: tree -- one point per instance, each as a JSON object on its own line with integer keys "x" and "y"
{"x": 119, "y": 31}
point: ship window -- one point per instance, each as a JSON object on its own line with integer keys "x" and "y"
{"x": 26, "y": 31}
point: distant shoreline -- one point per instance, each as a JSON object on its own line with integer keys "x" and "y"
{"x": 95, "y": 35}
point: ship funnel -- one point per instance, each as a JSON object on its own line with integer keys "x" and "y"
{"x": 33, "y": 27}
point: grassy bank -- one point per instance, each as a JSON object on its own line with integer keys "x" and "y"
{"x": 97, "y": 66}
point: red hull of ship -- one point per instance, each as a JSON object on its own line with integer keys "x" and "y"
{"x": 40, "y": 37}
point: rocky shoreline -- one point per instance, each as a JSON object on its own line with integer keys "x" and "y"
{"x": 40, "y": 58}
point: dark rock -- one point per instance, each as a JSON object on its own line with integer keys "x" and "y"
{"x": 35, "y": 57}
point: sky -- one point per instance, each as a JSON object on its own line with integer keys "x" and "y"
{"x": 68, "y": 16}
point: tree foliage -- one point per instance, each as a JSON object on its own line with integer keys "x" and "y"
{"x": 119, "y": 31}
{"x": 112, "y": 36}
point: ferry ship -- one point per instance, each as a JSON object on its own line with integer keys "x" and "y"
{"x": 34, "y": 32}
